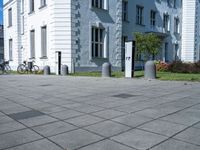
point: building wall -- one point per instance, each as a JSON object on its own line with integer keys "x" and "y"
{"x": 69, "y": 26}
{"x": 56, "y": 16}
{"x": 110, "y": 20}
{"x": 161, "y": 7}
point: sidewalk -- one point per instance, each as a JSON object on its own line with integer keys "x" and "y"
{"x": 81, "y": 113}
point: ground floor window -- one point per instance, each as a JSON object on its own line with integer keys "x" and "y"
{"x": 166, "y": 52}
{"x": 97, "y": 42}
{"x": 44, "y": 41}
{"x": 10, "y": 49}
{"x": 32, "y": 44}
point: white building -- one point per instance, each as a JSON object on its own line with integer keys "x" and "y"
{"x": 36, "y": 29}
{"x": 90, "y": 32}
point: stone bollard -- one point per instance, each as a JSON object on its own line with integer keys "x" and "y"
{"x": 65, "y": 70}
{"x": 47, "y": 70}
{"x": 106, "y": 70}
{"x": 150, "y": 70}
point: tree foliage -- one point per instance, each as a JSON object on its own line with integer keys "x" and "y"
{"x": 148, "y": 44}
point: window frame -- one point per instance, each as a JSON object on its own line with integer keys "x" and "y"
{"x": 97, "y": 41}
{"x": 32, "y": 44}
{"x": 125, "y": 10}
{"x": 10, "y": 45}
{"x": 44, "y": 40}
{"x": 10, "y": 22}
{"x": 176, "y": 25}
{"x": 139, "y": 15}
{"x": 166, "y": 22}
{"x": 31, "y": 6}
{"x": 43, "y": 3}
{"x": 153, "y": 18}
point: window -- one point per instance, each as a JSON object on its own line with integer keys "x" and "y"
{"x": 174, "y": 3}
{"x": 176, "y": 47}
{"x": 153, "y": 18}
{"x": 22, "y": 6}
{"x": 32, "y": 7}
{"x": 139, "y": 15}
{"x": 176, "y": 25}
{"x": 98, "y": 4}
{"x": 22, "y": 24}
{"x": 44, "y": 41}
{"x": 42, "y": 3}
{"x": 10, "y": 49}
{"x": 10, "y": 17}
{"x": 166, "y": 52}
{"x": 32, "y": 44}
{"x": 166, "y": 22}
{"x": 125, "y": 11}
{"x": 97, "y": 42}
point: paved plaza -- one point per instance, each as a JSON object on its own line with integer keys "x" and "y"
{"x": 82, "y": 113}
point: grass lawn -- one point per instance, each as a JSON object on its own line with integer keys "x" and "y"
{"x": 140, "y": 74}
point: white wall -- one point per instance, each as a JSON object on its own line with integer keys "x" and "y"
{"x": 188, "y": 30}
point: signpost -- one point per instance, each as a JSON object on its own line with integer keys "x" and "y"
{"x": 129, "y": 59}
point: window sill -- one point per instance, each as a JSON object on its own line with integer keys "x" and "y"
{"x": 31, "y": 13}
{"x": 43, "y": 6}
{"x": 9, "y": 26}
{"x": 125, "y": 21}
{"x": 32, "y": 58}
{"x": 98, "y": 9}
{"x": 44, "y": 57}
{"x": 98, "y": 58}
{"x": 140, "y": 25}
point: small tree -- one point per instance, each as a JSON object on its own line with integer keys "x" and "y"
{"x": 148, "y": 44}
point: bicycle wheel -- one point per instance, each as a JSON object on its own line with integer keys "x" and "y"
{"x": 35, "y": 69}
{"x": 7, "y": 69}
{"x": 21, "y": 69}
{"x": 1, "y": 70}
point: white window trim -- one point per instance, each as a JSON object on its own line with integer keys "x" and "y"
{"x": 105, "y": 40}
{"x": 105, "y": 5}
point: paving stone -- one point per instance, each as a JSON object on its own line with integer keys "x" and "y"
{"x": 191, "y": 135}
{"x": 181, "y": 119}
{"x": 35, "y": 121}
{"x": 163, "y": 127}
{"x": 38, "y": 145}
{"x": 17, "y": 138}
{"x": 107, "y": 128}
{"x": 5, "y": 119}
{"x": 108, "y": 114}
{"x": 175, "y": 145}
{"x": 85, "y": 120}
{"x": 88, "y": 108}
{"x": 106, "y": 145}
{"x": 66, "y": 114}
{"x": 53, "y": 128}
{"x": 132, "y": 120}
{"x": 75, "y": 139}
{"x": 10, "y": 126}
{"x": 52, "y": 109}
{"x": 26, "y": 115}
{"x": 139, "y": 139}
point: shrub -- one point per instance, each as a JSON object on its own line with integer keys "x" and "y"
{"x": 162, "y": 66}
{"x": 180, "y": 67}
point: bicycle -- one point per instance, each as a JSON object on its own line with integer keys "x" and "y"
{"x": 28, "y": 67}
{"x": 4, "y": 67}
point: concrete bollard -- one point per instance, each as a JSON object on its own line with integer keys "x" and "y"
{"x": 65, "y": 70}
{"x": 150, "y": 70}
{"x": 47, "y": 70}
{"x": 106, "y": 70}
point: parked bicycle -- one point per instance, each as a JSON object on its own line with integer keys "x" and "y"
{"x": 4, "y": 67}
{"x": 28, "y": 67}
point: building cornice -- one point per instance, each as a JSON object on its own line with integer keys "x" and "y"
{"x": 7, "y": 3}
